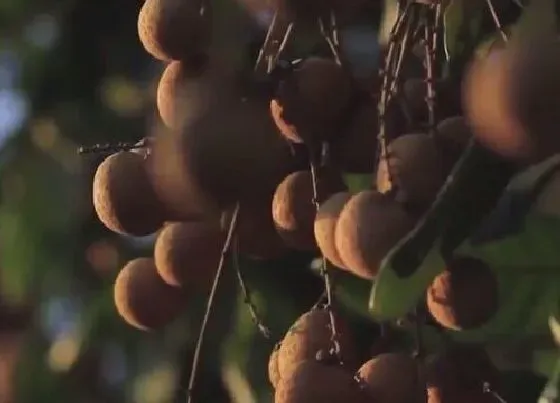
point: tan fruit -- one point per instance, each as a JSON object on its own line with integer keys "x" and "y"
{"x": 312, "y": 382}
{"x": 464, "y": 296}
{"x": 173, "y": 29}
{"x": 458, "y": 374}
{"x": 273, "y": 373}
{"x": 414, "y": 167}
{"x": 187, "y": 253}
{"x": 511, "y": 99}
{"x": 325, "y": 225}
{"x": 228, "y": 152}
{"x": 311, "y": 334}
{"x": 293, "y": 209}
{"x": 369, "y": 225}
{"x": 143, "y": 299}
{"x": 123, "y": 196}
{"x": 311, "y": 103}
{"x": 394, "y": 378}
{"x": 175, "y": 91}
{"x": 256, "y": 235}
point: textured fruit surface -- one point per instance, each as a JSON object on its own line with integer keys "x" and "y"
{"x": 293, "y": 209}
{"x": 173, "y": 29}
{"x": 369, "y": 225}
{"x": 123, "y": 196}
{"x": 310, "y": 381}
{"x": 464, "y": 296}
{"x": 187, "y": 253}
{"x": 143, "y": 299}
{"x": 311, "y": 334}
{"x": 325, "y": 226}
{"x": 273, "y": 373}
{"x": 393, "y": 378}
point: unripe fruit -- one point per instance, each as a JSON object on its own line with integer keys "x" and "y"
{"x": 173, "y": 29}
{"x": 369, "y": 225}
{"x": 311, "y": 103}
{"x": 123, "y": 197}
{"x": 187, "y": 253}
{"x": 312, "y": 382}
{"x": 414, "y": 166}
{"x": 325, "y": 226}
{"x": 393, "y": 378}
{"x": 464, "y": 296}
{"x": 311, "y": 334}
{"x": 143, "y": 299}
{"x": 293, "y": 209}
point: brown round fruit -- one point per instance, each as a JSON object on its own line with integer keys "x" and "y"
{"x": 369, "y": 225}
{"x": 293, "y": 209}
{"x": 143, "y": 299}
{"x": 393, "y": 378}
{"x": 123, "y": 196}
{"x": 312, "y": 382}
{"x": 458, "y": 373}
{"x": 464, "y": 296}
{"x": 311, "y": 103}
{"x": 414, "y": 167}
{"x": 311, "y": 334}
{"x": 325, "y": 225}
{"x": 187, "y": 253}
{"x": 173, "y": 29}
{"x": 511, "y": 99}
{"x": 273, "y": 373}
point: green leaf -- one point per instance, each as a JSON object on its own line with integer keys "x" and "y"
{"x": 462, "y": 23}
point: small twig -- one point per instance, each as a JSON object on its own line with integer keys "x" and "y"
{"x": 272, "y": 46}
{"x": 487, "y": 388}
{"x": 210, "y": 303}
{"x": 324, "y": 269}
{"x": 430, "y": 90}
{"x": 113, "y": 147}
{"x": 331, "y": 36}
{"x": 263, "y": 329}
{"x": 496, "y": 20}
{"x": 418, "y": 334}
{"x": 285, "y": 39}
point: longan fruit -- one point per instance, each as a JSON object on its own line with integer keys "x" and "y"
{"x": 229, "y": 152}
{"x": 458, "y": 373}
{"x": 312, "y": 101}
{"x": 311, "y": 334}
{"x": 256, "y": 235}
{"x": 414, "y": 166}
{"x": 187, "y": 253}
{"x": 173, "y": 29}
{"x": 325, "y": 225}
{"x": 464, "y": 296}
{"x": 175, "y": 92}
{"x": 454, "y": 135}
{"x": 511, "y": 99}
{"x": 393, "y": 378}
{"x": 368, "y": 227}
{"x": 293, "y": 209}
{"x": 143, "y": 299}
{"x": 310, "y": 381}
{"x": 123, "y": 197}
{"x": 273, "y": 373}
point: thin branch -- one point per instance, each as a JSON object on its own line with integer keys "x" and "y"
{"x": 113, "y": 147}
{"x": 487, "y": 388}
{"x": 496, "y": 20}
{"x": 430, "y": 90}
{"x": 210, "y": 303}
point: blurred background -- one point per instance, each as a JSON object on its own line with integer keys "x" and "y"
{"x": 73, "y": 73}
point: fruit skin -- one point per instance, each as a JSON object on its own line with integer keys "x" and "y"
{"x": 311, "y": 103}
{"x": 325, "y": 226}
{"x": 173, "y": 29}
{"x": 123, "y": 197}
{"x": 273, "y": 373}
{"x": 312, "y": 382}
{"x": 174, "y": 92}
{"x": 453, "y": 135}
{"x": 186, "y": 254}
{"x": 393, "y": 378}
{"x": 293, "y": 209}
{"x": 511, "y": 99}
{"x": 369, "y": 225}
{"x": 143, "y": 299}
{"x": 458, "y": 373}
{"x": 414, "y": 166}
{"x": 310, "y": 334}
{"x": 464, "y": 296}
